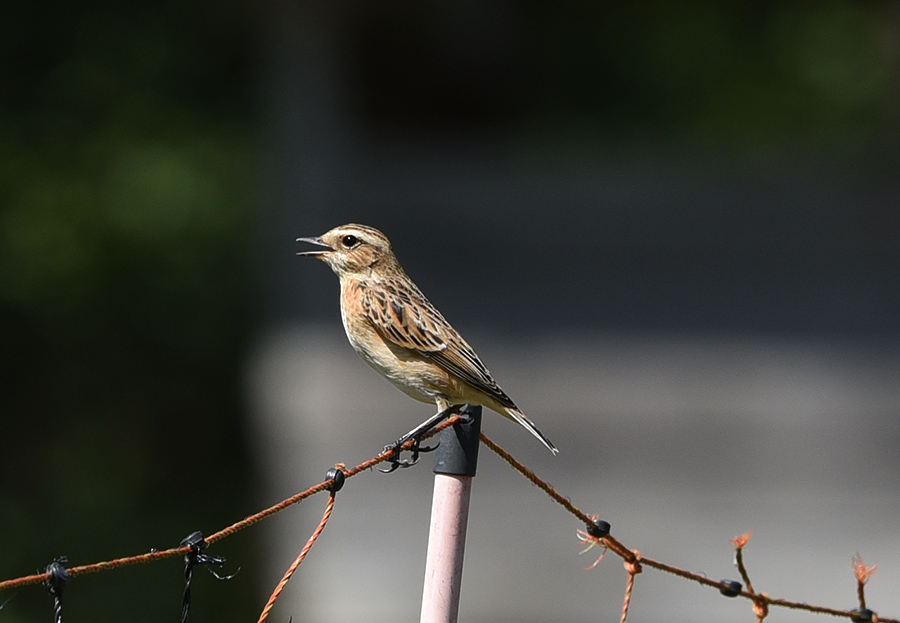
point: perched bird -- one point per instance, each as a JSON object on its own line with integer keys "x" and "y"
{"x": 394, "y": 328}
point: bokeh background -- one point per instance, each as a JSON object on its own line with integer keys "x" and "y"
{"x": 671, "y": 230}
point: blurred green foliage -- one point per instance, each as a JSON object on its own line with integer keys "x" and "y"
{"x": 128, "y": 164}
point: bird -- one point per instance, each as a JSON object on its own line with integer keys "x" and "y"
{"x": 400, "y": 334}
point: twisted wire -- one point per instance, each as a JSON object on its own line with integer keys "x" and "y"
{"x": 303, "y": 552}
{"x": 632, "y": 559}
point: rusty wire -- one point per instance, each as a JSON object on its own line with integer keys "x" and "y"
{"x": 633, "y": 560}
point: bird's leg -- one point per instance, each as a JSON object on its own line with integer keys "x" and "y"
{"x": 416, "y": 435}
{"x": 426, "y": 426}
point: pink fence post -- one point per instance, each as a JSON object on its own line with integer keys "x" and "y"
{"x": 455, "y": 462}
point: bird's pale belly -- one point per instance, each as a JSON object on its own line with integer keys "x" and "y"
{"x": 411, "y": 374}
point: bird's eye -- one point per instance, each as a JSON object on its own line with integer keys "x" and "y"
{"x": 349, "y": 241}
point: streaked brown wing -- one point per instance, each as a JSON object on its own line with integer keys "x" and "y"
{"x": 394, "y": 315}
{"x": 409, "y": 320}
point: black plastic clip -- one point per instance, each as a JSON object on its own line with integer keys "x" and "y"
{"x": 598, "y": 528}
{"x": 730, "y": 588}
{"x": 337, "y": 478}
{"x": 457, "y": 449}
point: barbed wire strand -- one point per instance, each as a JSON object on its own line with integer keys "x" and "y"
{"x": 155, "y": 555}
{"x": 633, "y": 568}
{"x": 629, "y": 556}
{"x": 739, "y": 543}
{"x": 760, "y": 607}
{"x": 608, "y": 541}
{"x": 761, "y": 601}
{"x": 303, "y": 552}
{"x": 863, "y": 572}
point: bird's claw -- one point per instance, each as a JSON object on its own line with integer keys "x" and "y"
{"x": 396, "y": 449}
{"x": 428, "y": 449}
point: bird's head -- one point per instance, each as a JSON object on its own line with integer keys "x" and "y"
{"x": 353, "y": 250}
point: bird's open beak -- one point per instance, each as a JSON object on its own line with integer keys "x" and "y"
{"x": 316, "y": 241}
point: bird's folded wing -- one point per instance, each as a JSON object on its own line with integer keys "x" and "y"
{"x": 410, "y": 321}
{"x": 393, "y": 314}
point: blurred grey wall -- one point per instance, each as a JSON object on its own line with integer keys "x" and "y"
{"x": 672, "y": 234}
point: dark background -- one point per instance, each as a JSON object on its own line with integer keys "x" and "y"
{"x": 702, "y": 168}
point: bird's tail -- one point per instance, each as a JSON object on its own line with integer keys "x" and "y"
{"x": 519, "y": 417}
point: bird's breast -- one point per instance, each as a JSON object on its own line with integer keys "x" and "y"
{"x": 405, "y": 368}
